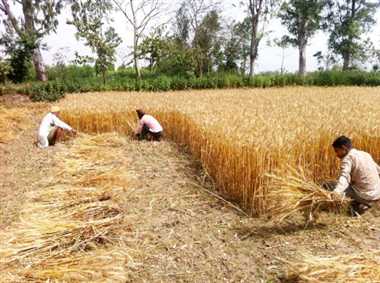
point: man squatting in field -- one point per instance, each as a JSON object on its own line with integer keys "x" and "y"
{"x": 359, "y": 176}
{"x": 51, "y": 128}
{"x": 148, "y": 127}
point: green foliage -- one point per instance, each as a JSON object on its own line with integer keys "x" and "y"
{"x": 206, "y": 43}
{"x": 153, "y": 48}
{"x": 236, "y": 47}
{"x": 8, "y": 88}
{"x": 176, "y": 60}
{"x": 71, "y": 72}
{"x": 125, "y": 80}
{"x": 182, "y": 24}
{"x": 89, "y": 20}
{"x": 347, "y": 21}
{"x": 302, "y": 19}
{"x": 75, "y": 79}
{"x": 49, "y": 91}
{"x": 5, "y": 70}
{"x": 20, "y": 60}
{"x": 38, "y": 19}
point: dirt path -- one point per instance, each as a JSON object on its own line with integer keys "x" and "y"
{"x": 180, "y": 233}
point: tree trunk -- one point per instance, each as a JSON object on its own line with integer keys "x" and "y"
{"x": 136, "y": 66}
{"x": 135, "y": 56}
{"x": 39, "y": 65}
{"x": 347, "y": 54}
{"x": 254, "y": 44}
{"x": 302, "y": 60}
{"x": 28, "y": 10}
{"x": 104, "y": 77}
{"x": 346, "y": 61}
{"x": 283, "y": 61}
{"x": 251, "y": 55}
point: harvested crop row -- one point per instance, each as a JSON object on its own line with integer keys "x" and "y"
{"x": 68, "y": 229}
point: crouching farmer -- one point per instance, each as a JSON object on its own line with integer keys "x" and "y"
{"x": 51, "y": 128}
{"x": 359, "y": 176}
{"x": 148, "y": 127}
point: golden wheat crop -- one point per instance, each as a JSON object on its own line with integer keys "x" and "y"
{"x": 242, "y": 135}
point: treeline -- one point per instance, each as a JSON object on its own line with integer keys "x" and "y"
{"x": 84, "y": 79}
{"x": 195, "y": 48}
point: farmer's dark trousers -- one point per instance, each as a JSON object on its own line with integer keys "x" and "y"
{"x": 146, "y": 134}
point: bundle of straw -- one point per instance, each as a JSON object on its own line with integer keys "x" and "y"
{"x": 12, "y": 120}
{"x": 70, "y": 226}
{"x": 358, "y": 268}
{"x": 90, "y": 266}
{"x": 292, "y": 192}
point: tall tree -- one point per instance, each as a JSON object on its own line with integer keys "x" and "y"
{"x": 153, "y": 47}
{"x": 325, "y": 61}
{"x": 89, "y": 19}
{"x": 139, "y": 14}
{"x": 259, "y": 12}
{"x": 243, "y": 32}
{"x": 237, "y": 46}
{"x": 347, "y": 21}
{"x": 206, "y": 43}
{"x": 38, "y": 19}
{"x": 197, "y": 26}
{"x": 302, "y": 19}
{"x": 283, "y": 43}
{"x": 197, "y": 10}
{"x": 182, "y": 24}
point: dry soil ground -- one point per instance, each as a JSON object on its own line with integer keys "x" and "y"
{"x": 178, "y": 230}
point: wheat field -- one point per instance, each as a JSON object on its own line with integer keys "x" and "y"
{"x": 241, "y": 136}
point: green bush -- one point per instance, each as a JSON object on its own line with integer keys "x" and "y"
{"x": 70, "y": 72}
{"x": 9, "y": 89}
{"x": 5, "y": 70}
{"x": 50, "y": 91}
{"x": 124, "y": 80}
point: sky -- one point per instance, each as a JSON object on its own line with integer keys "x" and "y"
{"x": 269, "y": 59}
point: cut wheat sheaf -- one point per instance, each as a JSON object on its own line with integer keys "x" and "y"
{"x": 69, "y": 224}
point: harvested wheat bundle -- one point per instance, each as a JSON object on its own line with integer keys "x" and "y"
{"x": 55, "y": 244}
{"x": 61, "y": 232}
{"x": 358, "y": 268}
{"x": 105, "y": 140}
{"x": 89, "y": 266}
{"x": 67, "y": 230}
{"x": 61, "y": 195}
{"x": 105, "y": 179}
{"x": 12, "y": 120}
{"x": 293, "y": 192}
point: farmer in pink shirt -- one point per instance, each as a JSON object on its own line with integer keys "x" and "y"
{"x": 148, "y": 127}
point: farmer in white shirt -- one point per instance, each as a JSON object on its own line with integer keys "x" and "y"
{"x": 148, "y": 127}
{"x": 359, "y": 175}
{"x": 51, "y": 128}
